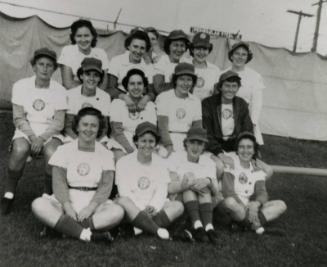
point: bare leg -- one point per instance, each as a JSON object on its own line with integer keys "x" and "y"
{"x": 273, "y": 209}
{"x": 107, "y": 216}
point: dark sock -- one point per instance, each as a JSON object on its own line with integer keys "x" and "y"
{"x": 88, "y": 223}
{"x": 68, "y": 226}
{"x": 192, "y": 208}
{"x": 48, "y": 184}
{"x": 161, "y": 219}
{"x": 206, "y": 213}
{"x": 144, "y": 222}
{"x": 221, "y": 215}
{"x": 12, "y": 181}
{"x": 262, "y": 218}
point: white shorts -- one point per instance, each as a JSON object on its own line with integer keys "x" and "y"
{"x": 20, "y": 134}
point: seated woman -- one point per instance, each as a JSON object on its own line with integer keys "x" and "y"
{"x": 142, "y": 180}
{"x": 123, "y": 122}
{"x": 178, "y": 109}
{"x": 136, "y": 44}
{"x": 244, "y": 188}
{"x": 83, "y": 173}
{"x": 39, "y": 106}
{"x": 175, "y": 46}
{"x": 194, "y": 176}
{"x": 84, "y": 39}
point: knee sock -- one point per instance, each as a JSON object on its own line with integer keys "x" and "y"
{"x": 88, "y": 223}
{"x": 48, "y": 184}
{"x": 161, "y": 219}
{"x": 144, "y": 222}
{"x": 69, "y": 226}
{"x": 12, "y": 181}
{"x": 262, "y": 218}
{"x": 192, "y": 208}
{"x": 206, "y": 214}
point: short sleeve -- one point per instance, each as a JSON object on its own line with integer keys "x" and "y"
{"x": 65, "y": 56}
{"x": 150, "y": 114}
{"x": 114, "y": 67}
{"x": 108, "y": 160}
{"x": 104, "y": 59}
{"x": 59, "y": 157}
{"x": 60, "y": 97}
{"x": 162, "y": 105}
{"x": 17, "y": 94}
{"x": 116, "y": 111}
{"x": 197, "y": 111}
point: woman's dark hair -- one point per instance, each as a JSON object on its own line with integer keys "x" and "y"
{"x": 237, "y": 46}
{"x": 132, "y": 72}
{"x": 157, "y": 137}
{"x": 92, "y": 112}
{"x": 231, "y": 79}
{"x": 83, "y": 23}
{"x": 80, "y": 72}
{"x": 248, "y": 136}
{"x": 152, "y": 30}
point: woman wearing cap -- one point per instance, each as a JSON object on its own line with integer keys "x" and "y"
{"x": 244, "y": 188}
{"x": 193, "y": 176}
{"x": 175, "y": 46}
{"x": 39, "y": 106}
{"x": 207, "y": 73}
{"x": 123, "y": 122}
{"x": 155, "y": 53}
{"x": 83, "y": 173}
{"x": 252, "y": 83}
{"x": 136, "y": 44}
{"x": 178, "y": 109}
{"x": 142, "y": 181}
{"x": 83, "y": 44}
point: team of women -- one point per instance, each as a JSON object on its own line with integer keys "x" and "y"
{"x": 161, "y": 134}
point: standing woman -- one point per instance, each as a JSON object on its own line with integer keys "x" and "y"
{"x": 142, "y": 180}
{"x": 84, "y": 39}
{"x": 175, "y": 46}
{"x": 83, "y": 173}
{"x": 252, "y": 84}
{"x": 155, "y": 52}
{"x": 244, "y": 188}
{"x": 178, "y": 109}
{"x": 123, "y": 122}
{"x": 39, "y": 106}
{"x": 208, "y": 74}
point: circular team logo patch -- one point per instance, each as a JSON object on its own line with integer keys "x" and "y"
{"x": 180, "y": 113}
{"x": 202, "y": 35}
{"x": 143, "y": 183}
{"x": 38, "y": 104}
{"x": 227, "y": 113}
{"x": 83, "y": 169}
{"x": 200, "y": 82}
{"x": 87, "y": 105}
{"x": 243, "y": 179}
{"x": 134, "y": 116}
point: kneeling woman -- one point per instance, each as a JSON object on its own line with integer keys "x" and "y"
{"x": 244, "y": 188}
{"x": 193, "y": 175}
{"x": 142, "y": 181}
{"x": 83, "y": 173}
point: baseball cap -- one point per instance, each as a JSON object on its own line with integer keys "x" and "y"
{"x": 146, "y": 127}
{"x": 44, "y": 52}
{"x": 185, "y": 69}
{"x": 201, "y": 39}
{"x": 91, "y": 63}
{"x": 226, "y": 75}
{"x": 245, "y": 45}
{"x": 197, "y": 133}
{"x": 173, "y": 36}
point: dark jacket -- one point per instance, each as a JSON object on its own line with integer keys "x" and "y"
{"x": 211, "y": 119}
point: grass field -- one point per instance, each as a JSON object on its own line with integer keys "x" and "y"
{"x": 305, "y": 223}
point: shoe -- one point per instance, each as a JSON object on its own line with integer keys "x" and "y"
{"x": 102, "y": 236}
{"x": 6, "y": 205}
{"x": 183, "y": 235}
{"x": 200, "y": 235}
{"x": 48, "y": 231}
{"x": 162, "y": 233}
{"x": 213, "y": 237}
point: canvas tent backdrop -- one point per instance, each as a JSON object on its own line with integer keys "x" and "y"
{"x": 296, "y": 85}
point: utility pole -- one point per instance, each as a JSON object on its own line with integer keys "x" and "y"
{"x": 316, "y": 34}
{"x": 300, "y": 15}
{"x": 116, "y": 20}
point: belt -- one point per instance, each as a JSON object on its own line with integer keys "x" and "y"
{"x": 177, "y": 132}
{"x": 83, "y": 188}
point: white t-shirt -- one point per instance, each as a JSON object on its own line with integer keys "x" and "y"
{"x": 120, "y": 65}
{"x": 227, "y": 120}
{"x": 144, "y": 184}
{"x": 165, "y": 67}
{"x": 71, "y": 57}
{"x": 244, "y": 179}
{"x": 39, "y": 104}
{"x": 76, "y": 101}
{"x": 119, "y": 113}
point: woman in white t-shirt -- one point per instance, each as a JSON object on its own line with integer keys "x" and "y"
{"x": 84, "y": 39}
{"x": 178, "y": 109}
{"x": 123, "y": 122}
{"x": 83, "y": 174}
{"x": 39, "y": 106}
{"x": 244, "y": 188}
{"x": 252, "y": 83}
{"x": 142, "y": 179}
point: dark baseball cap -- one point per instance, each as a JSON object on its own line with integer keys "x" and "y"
{"x": 197, "y": 133}
{"x": 146, "y": 127}
{"x": 44, "y": 52}
{"x": 91, "y": 63}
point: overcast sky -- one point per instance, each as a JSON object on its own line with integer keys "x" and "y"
{"x": 262, "y": 21}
